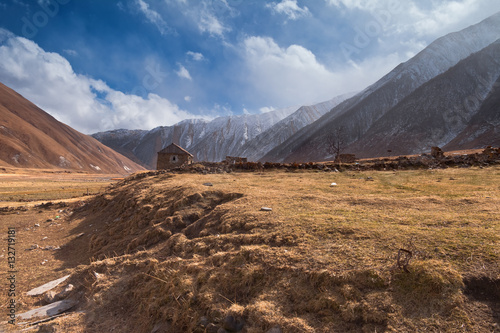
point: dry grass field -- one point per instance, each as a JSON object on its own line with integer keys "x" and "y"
{"x": 166, "y": 252}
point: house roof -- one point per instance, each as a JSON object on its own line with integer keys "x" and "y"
{"x": 174, "y": 149}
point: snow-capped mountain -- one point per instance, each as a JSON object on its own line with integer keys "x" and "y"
{"x": 359, "y": 114}
{"x": 206, "y": 140}
{"x": 286, "y": 128}
{"x": 248, "y": 136}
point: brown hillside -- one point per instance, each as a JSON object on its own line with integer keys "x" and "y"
{"x": 31, "y": 138}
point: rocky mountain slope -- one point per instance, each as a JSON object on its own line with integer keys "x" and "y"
{"x": 246, "y": 135}
{"x": 31, "y": 138}
{"x": 359, "y": 114}
{"x": 438, "y": 111}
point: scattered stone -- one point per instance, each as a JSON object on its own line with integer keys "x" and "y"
{"x": 46, "y": 287}
{"x": 48, "y": 310}
{"x": 437, "y": 153}
{"x": 333, "y": 184}
{"x": 50, "y": 296}
{"x": 44, "y": 238}
{"x": 232, "y": 324}
{"x": 33, "y": 247}
{"x": 208, "y": 184}
{"x": 37, "y": 224}
{"x": 65, "y": 293}
{"x": 43, "y": 262}
{"x": 266, "y": 209}
{"x": 51, "y": 248}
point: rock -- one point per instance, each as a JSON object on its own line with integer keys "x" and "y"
{"x": 65, "y": 293}
{"x": 208, "y": 184}
{"x": 37, "y": 224}
{"x": 51, "y": 248}
{"x": 50, "y": 296}
{"x": 266, "y": 209}
{"x": 48, "y": 310}
{"x": 232, "y": 324}
{"x": 44, "y": 238}
{"x": 46, "y": 287}
{"x": 275, "y": 329}
{"x": 80, "y": 235}
{"x": 333, "y": 184}
{"x": 437, "y": 152}
{"x": 33, "y": 247}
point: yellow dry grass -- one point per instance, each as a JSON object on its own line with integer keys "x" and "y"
{"x": 171, "y": 252}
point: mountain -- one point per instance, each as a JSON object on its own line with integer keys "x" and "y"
{"x": 286, "y": 128}
{"x": 31, "y": 138}
{"x": 359, "y": 114}
{"x": 440, "y": 110}
{"x": 248, "y": 136}
{"x": 484, "y": 127}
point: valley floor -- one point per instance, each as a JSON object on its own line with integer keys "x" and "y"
{"x": 374, "y": 251}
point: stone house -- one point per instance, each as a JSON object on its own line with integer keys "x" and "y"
{"x": 233, "y": 160}
{"x": 173, "y": 156}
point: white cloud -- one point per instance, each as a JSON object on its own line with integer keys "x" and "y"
{"x": 266, "y": 109}
{"x": 153, "y": 16}
{"x": 290, "y": 8}
{"x": 183, "y": 72}
{"x": 187, "y": 98}
{"x": 70, "y": 52}
{"x": 48, "y": 80}
{"x": 195, "y": 55}
{"x": 424, "y": 18}
{"x": 293, "y": 75}
{"x": 209, "y": 23}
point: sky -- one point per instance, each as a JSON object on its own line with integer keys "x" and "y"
{"x": 99, "y": 65}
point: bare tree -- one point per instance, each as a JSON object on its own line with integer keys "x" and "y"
{"x": 336, "y": 142}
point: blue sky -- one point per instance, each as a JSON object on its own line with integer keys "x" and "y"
{"x": 137, "y": 64}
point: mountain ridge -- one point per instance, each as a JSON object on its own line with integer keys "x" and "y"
{"x": 359, "y": 113}
{"x": 31, "y": 138}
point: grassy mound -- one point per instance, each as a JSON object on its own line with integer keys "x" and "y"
{"x": 173, "y": 254}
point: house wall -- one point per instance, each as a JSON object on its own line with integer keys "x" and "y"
{"x": 170, "y": 161}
